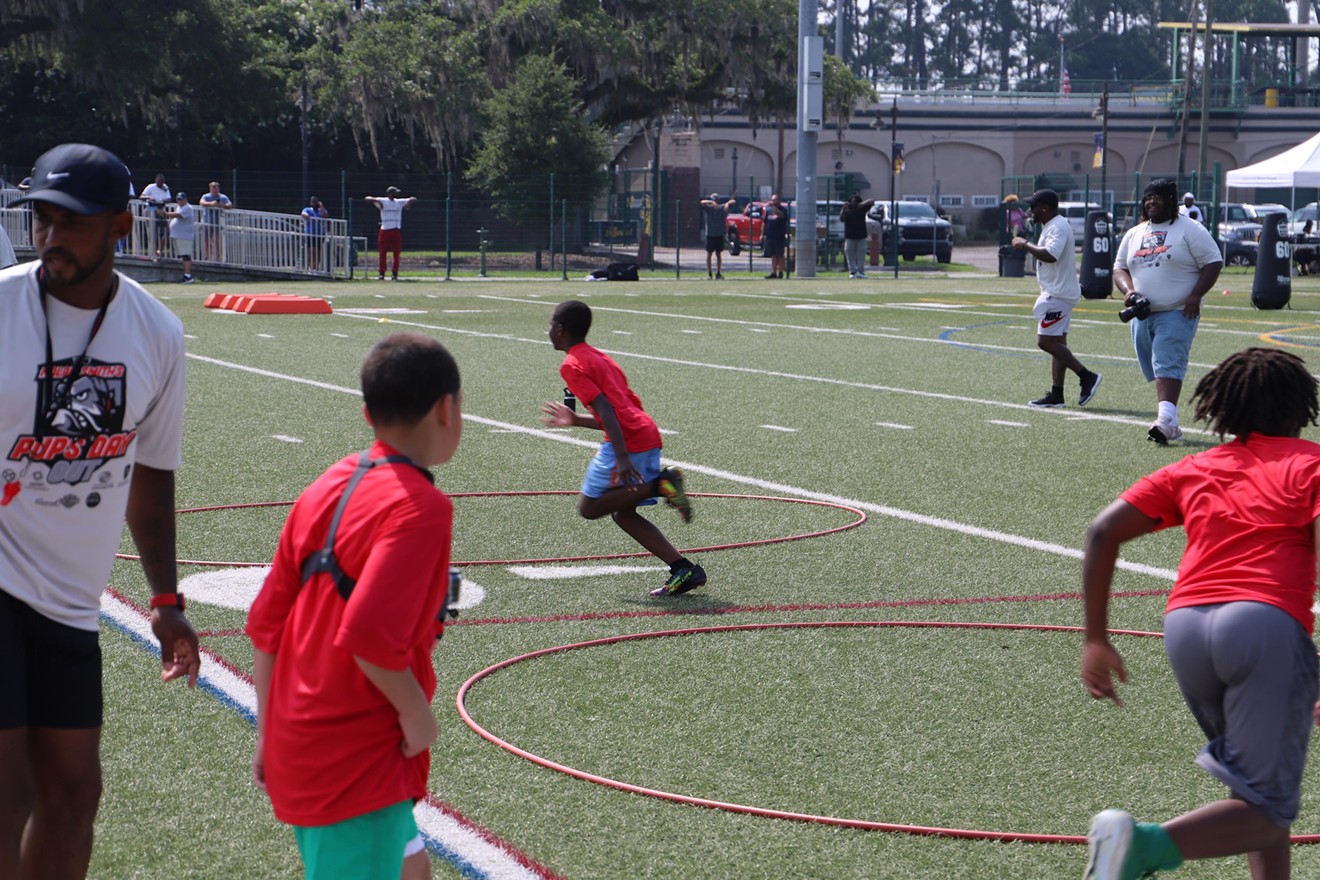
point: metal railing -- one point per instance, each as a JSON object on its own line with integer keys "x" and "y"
{"x": 238, "y": 239}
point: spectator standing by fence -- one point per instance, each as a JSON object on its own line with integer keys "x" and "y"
{"x": 157, "y": 196}
{"x": 183, "y": 227}
{"x": 314, "y": 227}
{"x": 715, "y": 215}
{"x": 212, "y": 204}
{"x": 390, "y": 238}
{"x": 853, "y": 218}
{"x": 774, "y": 231}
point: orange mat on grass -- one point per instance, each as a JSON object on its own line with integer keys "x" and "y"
{"x": 269, "y": 303}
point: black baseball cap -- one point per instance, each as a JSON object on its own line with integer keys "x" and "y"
{"x": 1043, "y": 197}
{"x": 82, "y": 178}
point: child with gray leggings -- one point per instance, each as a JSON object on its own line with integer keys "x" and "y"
{"x": 1239, "y": 620}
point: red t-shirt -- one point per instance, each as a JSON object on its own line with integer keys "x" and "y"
{"x": 1249, "y": 510}
{"x": 589, "y": 373}
{"x": 331, "y": 738}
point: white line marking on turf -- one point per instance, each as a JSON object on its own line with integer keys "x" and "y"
{"x": 264, "y": 336}
{"x": 1008, "y": 424}
{"x": 457, "y": 841}
{"x": 956, "y": 398}
{"x": 563, "y": 572}
{"x": 622, "y": 332}
{"x": 691, "y": 332}
{"x": 393, "y": 311}
{"x": 668, "y": 431}
{"x": 895, "y": 425}
{"x": 880, "y": 509}
{"x": 285, "y": 438}
{"x": 780, "y": 428}
{"x": 341, "y": 335}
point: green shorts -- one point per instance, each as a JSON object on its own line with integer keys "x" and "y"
{"x": 366, "y": 847}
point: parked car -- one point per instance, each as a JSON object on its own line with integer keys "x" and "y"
{"x": 1075, "y": 213}
{"x": 744, "y": 228}
{"x": 1242, "y": 245}
{"x": 1234, "y": 215}
{"x": 1299, "y": 218}
{"x": 921, "y": 230}
{"x": 827, "y": 215}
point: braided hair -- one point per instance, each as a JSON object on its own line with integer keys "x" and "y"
{"x": 1261, "y": 390}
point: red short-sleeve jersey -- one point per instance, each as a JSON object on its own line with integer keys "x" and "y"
{"x": 1249, "y": 509}
{"x": 589, "y": 372}
{"x": 331, "y": 747}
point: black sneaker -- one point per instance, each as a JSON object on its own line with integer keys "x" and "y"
{"x": 1089, "y": 389}
{"x": 682, "y": 581}
{"x": 772, "y": 275}
{"x": 719, "y": 276}
{"x": 1049, "y": 401}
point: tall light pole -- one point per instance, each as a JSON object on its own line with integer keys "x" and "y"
{"x": 733, "y": 181}
{"x": 893, "y": 184}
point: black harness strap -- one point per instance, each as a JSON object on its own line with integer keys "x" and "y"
{"x": 323, "y": 560}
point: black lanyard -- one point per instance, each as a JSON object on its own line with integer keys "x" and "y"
{"x": 81, "y": 359}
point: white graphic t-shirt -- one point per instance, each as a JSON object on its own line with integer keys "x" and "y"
{"x": 71, "y": 432}
{"x": 1165, "y": 259}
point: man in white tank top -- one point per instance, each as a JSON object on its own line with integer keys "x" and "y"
{"x": 390, "y": 237}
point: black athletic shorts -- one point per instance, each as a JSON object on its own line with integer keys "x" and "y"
{"x": 714, "y": 244}
{"x": 50, "y": 674}
{"x": 774, "y": 247}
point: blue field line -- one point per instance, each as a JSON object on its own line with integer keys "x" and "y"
{"x": 947, "y": 336}
{"x": 436, "y": 847}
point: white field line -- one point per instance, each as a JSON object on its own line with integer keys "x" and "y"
{"x": 866, "y": 386}
{"x": 879, "y": 509}
{"x": 845, "y": 331}
{"x": 450, "y": 837}
{"x": 562, "y": 572}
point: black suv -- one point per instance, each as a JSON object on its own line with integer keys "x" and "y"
{"x": 921, "y": 231}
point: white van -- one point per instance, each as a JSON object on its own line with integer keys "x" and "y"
{"x": 1075, "y": 213}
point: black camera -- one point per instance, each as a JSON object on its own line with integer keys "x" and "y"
{"x": 1007, "y": 250}
{"x": 1140, "y": 308}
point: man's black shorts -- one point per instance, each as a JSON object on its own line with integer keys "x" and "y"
{"x": 714, "y": 244}
{"x": 774, "y": 247}
{"x": 50, "y": 674}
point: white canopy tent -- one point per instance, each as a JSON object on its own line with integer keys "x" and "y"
{"x": 1297, "y": 167}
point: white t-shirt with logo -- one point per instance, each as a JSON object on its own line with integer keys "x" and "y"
{"x": 157, "y": 193}
{"x": 70, "y": 442}
{"x": 1165, "y": 259}
{"x": 1058, "y": 279}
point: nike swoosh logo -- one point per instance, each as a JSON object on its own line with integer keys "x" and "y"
{"x": 57, "y": 175}
{"x": 1050, "y": 323}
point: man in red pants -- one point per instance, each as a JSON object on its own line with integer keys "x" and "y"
{"x": 390, "y": 238}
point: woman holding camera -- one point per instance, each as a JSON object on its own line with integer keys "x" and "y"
{"x": 1171, "y": 262}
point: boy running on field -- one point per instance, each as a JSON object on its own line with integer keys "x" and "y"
{"x": 626, "y": 471}
{"x": 1238, "y": 624}
{"x": 342, "y": 639}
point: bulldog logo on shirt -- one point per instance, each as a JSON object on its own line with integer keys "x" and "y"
{"x": 79, "y": 423}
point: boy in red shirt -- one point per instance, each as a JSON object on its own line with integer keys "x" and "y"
{"x": 343, "y": 628}
{"x": 626, "y": 472}
{"x": 1238, "y": 625}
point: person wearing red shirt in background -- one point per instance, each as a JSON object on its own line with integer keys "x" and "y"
{"x": 1239, "y": 622}
{"x": 626, "y": 472}
{"x": 344, "y": 682}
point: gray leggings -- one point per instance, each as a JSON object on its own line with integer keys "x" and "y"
{"x": 855, "y": 251}
{"x": 1249, "y": 673}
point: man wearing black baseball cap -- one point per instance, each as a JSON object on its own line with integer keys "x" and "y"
{"x": 1056, "y": 272}
{"x": 91, "y": 424}
{"x": 1168, "y": 262}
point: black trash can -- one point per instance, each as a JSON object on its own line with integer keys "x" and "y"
{"x": 1012, "y": 262}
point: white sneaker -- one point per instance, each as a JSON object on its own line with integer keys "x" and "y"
{"x": 861, "y": 274}
{"x": 1110, "y": 841}
{"x": 1163, "y": 432}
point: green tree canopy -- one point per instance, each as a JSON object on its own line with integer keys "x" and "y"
{"x": 535, "y": 127}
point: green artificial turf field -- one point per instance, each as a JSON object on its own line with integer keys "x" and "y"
{"x": 903, "y": 399}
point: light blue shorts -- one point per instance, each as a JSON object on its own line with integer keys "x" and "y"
{"x": 1163, "y": 343}
{"x": 1249, "y": 673}
{"x": 601, "y": 475}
